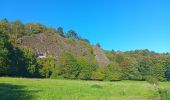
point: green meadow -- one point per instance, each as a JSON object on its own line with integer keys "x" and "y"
{"x": 55, "y": 89}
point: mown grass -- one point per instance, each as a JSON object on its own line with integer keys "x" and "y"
{"x": 54, "y": 89}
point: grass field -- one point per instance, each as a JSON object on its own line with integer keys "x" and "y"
{"x": 54, "y": 89}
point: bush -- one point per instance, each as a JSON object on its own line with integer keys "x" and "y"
{"x": 98, "y": 75}
{"x": 71, "y": 42}
{"x": 113, "y": 72}
{"x": 164, "y": 94}
{"x": 110, "y": 73}
{"x": 87, "y": 68}
{"x": 69, "y": 66}
{"x": 152, "y": 80}
{"x": 47, "y": 66}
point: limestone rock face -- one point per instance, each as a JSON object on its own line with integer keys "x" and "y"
{"x": 100, "y": 56}
{"x": 54, "y": 45}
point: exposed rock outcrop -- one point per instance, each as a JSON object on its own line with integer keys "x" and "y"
{"x": 100, "y": 56}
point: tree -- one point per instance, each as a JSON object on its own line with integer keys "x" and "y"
{"x": 3, "y": 54}
{"x": 38, "y": 28}
{"x": 34, "y": 28}
{"x": 110, "y": 73}
{"x": 50, "y": 30}
{"x": 113, "y": 72}
{"x": 119, "y": 58}
{"x": 47, "y": 67}
{"x": 152, "y": 80}
{"x": 21, "y": 62}
{"x": 68, "y": 66}
{"x": 4, "y": 26}
{"x": 167, "y": 73}
{"x": 98, "y": 45}
{"x": 130, "y": 68}
{"x": 72, "y": 34}
{"x": 87, "y": 68}
{"x": 99, "y": 74}
{"x": 17, "y": 29}
{"x": 159, "y": 71}
{"x": 60, "y": 31}
{"x": 145, "y": 67}
{"x": 30, "y": 62}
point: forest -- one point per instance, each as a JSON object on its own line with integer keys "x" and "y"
{"x": 22, "y": 61}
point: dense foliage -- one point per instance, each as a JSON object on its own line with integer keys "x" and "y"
{"x": 23, "y": 62}
{"x": 142, "y": 64}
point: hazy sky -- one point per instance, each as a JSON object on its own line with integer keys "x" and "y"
{"x": 115, "y": 24}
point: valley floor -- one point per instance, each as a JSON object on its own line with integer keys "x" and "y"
{"x": 55, "y": 89}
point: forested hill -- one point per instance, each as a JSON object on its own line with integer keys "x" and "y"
{"x": 52, "y": 44}
{"x": 34, "y": 50}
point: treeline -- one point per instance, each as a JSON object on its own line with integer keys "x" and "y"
{"x": 142, "y": 64}
{"x": 22, "y": 61}
{"x": 17, "y": 29}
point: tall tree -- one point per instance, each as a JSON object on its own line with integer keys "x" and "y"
{"x": 69, "y": 67}
{"x": 47, "y": 67}
{"x": 3, "y": 54}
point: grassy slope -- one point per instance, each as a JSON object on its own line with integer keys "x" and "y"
{"x": 51, "y": 89}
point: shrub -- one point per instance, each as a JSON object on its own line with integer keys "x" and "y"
{"x": 113, "y": 72}
{"x": 47, "y": 66}
{"x": 152, "y": 80}
{"x": 98, "y": 75}
{"x": 71, "y": 42}
{"x": 87, "y": 68}
{"x": 164, "y": 94}
{"x": 68, "y": 66}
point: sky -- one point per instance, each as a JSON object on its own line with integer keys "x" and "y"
{"x": 115, "y": 24}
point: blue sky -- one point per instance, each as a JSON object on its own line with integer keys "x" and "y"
{"x": 115, "y": 24}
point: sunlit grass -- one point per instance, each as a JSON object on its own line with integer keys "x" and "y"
{"x": 54, "y": 89}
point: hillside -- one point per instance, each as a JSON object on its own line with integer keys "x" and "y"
{"x": 100, "y": 56}
{"x": 54, "y": 45}
{"x": 68, "y": 55}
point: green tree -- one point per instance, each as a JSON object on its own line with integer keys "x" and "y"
{"x": 113, "y": 72}
{"x": 68, "y": 66}
{"x": 159, "y": 71}
{"x": 145, "y": 67}
{"x": 167, "y": 73}
{"x": 30, "y": 62}
{"x": 3, "y": 54}
{"x": 47, "y": 67}
{"x": 99, "y": 74}
{"x": 4, "y": 26}
{"x": 130, "y": 69}
{"x": 87, "y": 68}
{"x": 17, "y": 29}
{"x": 60, "y": 31}
{"x": 98, "y": 45}
{"x": 73, "y": 35}
{"x": 34, "y": 28}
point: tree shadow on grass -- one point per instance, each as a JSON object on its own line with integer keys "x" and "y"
{"x": 15, "y": 92}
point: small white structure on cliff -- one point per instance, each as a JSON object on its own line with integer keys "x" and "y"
{"x": 42, "y": 55}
